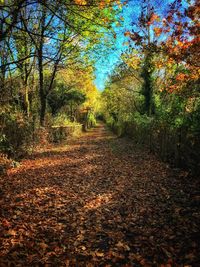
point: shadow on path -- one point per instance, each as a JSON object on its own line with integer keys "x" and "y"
{"x": 98, "y": 201}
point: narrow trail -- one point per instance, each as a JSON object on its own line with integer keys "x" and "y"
{"x": 98, "y": 201}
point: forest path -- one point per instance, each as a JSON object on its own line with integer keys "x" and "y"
{"x": 98, "y": 201}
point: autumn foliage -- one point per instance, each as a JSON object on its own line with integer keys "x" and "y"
{"x": 72, "y": 193}
{"x": 159, "y": 75}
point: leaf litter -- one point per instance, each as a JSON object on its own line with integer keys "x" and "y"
{"x": 98, "y": 201}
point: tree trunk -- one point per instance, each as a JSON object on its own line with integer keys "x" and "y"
{"x": 41, "y": 74}
{"x": 42, "y": 109}
{"x": 148, "y": 85}
{"x": 41, "y": 90}
{"x": 41, "y": 86}
{"x": 26, "y": 98}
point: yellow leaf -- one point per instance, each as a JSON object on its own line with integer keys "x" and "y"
{"x": 11, "y": 232}
{"x": 99, "y": 254}
{"x": 80, "y": 2}
{"x": 126, "y": 43}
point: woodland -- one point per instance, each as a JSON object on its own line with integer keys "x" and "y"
{"x": 93, "y": 177}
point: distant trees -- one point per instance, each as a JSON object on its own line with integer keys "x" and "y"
{"x": 61, "y": 96}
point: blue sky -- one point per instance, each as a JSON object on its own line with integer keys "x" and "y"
{"x": 107, "y": 62}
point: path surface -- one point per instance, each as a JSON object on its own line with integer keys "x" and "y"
{"x": 98, "y": 201}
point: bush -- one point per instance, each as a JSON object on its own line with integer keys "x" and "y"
{"x": 61, "y": 120}
{"x": 15, "y": 133}
{"x": 91, "y": 120}
{"x": 62, "y": 127}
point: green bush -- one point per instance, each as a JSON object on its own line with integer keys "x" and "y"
{"x": 61, "y": 120}
{"x": 62, "y": 127}
{"x": 91, "y": 120}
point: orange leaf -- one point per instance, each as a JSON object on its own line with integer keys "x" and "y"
{"x": 180, "y": 77}
{"x": 11, "y": 232}
{"x": 157, "y": 31}
{"x": 154, "y": 17}
{"x": 99, "y": 254}
{"x": 43, "y": 246}
{"x": 127, "y": 33}
{"x": 80, "y": 2}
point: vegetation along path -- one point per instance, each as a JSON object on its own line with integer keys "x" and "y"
{"x": 98, "y": 201}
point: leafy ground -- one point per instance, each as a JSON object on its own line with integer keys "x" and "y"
{"x": 98, "y": 201}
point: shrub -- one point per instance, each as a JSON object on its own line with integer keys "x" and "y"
{"x": 62, "y": 127}
{"x": 61, "y": 120}
{"x": 91, "y": 120}
{"x": 15, "y": 133}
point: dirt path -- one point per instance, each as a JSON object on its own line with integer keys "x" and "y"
{"x": 99, "y": 201}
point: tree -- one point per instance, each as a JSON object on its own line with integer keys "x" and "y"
{"x": 61, "y": 96}
{"x": 145, "y": 35}
{"x": 50, "y": 33}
